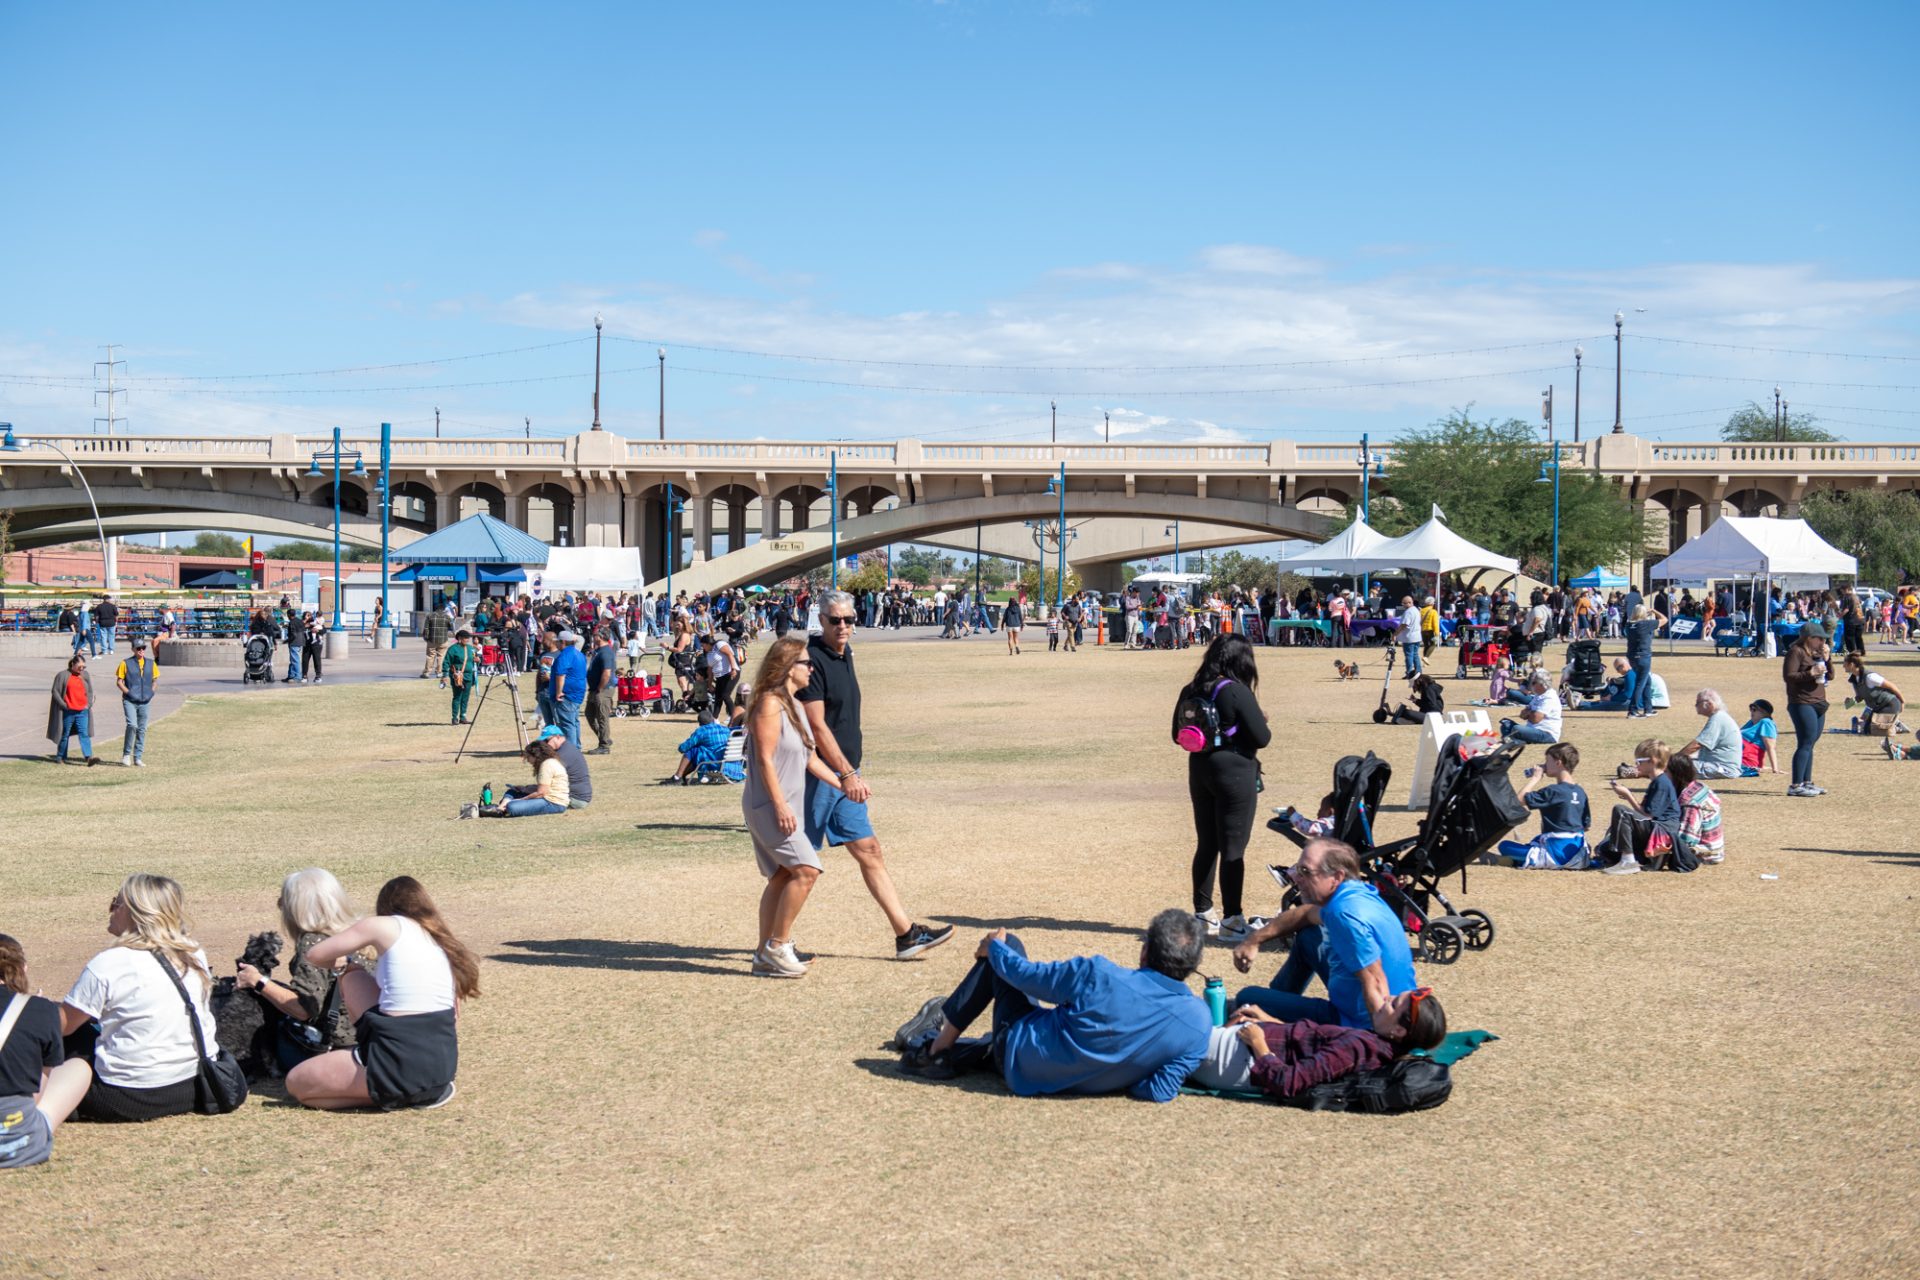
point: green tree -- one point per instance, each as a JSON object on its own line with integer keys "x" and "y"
{"x": 995, "y": 572}
{"x": 1237, "y": 569}
{"x": 1040, "y": 587}
{"x": 937, "y": 564}
{"x": 1878, "y": 527}
{"x": 214, "y": 544}
{"x": 1485, "y": 477}
{"x": 1754, "y": 425}
{"x": 301, "y": 549}
{"x": 917, "y": 574}
{"x": 6, "y": 546}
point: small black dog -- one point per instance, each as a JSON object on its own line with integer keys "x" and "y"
{"x": 244, "y": 1024}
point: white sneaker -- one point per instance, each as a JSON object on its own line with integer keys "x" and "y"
{"x": 139, "y": 764}
{"x": 126, "y": 761}
{"x": 1234, "y": 929}
{"x": 778, "y": 962}
{"x": 1209, "y": 920}
{"x": 1627, "y": 866}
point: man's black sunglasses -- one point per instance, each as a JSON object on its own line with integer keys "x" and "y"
{"x": 845, "y": 619}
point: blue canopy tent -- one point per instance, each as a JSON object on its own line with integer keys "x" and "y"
{"x": 1600, "y": 579}
{"x": 478, "y": 550}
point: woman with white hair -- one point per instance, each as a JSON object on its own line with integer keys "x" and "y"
{"x": 313, "y": 907}
{"x": 128, "y": 1011}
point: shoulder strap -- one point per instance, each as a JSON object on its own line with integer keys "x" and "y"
{"x": 15, "y": 1007}
{"x": 1214, "y": 693}
{"x": 193, "y": 1016}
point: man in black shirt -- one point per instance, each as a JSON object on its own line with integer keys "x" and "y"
{"x": 602, "y": 694}
{"x": 832, "y": 702}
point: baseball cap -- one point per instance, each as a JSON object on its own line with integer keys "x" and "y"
{"x": 551, "y": 731}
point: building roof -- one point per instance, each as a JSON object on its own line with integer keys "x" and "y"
{"x": 477, "y": 538}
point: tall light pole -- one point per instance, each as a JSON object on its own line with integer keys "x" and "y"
{"x": 673, "y": 508}
{"x": 1054, "y": 408}
{"x": 1369, "y": 468}
{"x": 1108, "y": 429}
{"x": 1546, "y": 410}
{"x": 386, "y": 515}
{"x": 336, "y": 455}
{"x": 596, "y": 371}
{"x": 1619, "y": 321}
{"x": 1060, "y": 572}
{"x": 1174, "y": 530}
{"x": 9, "y": 443}
{"x": 1577, "y": 353}
{"x": 833, "y": 513}
{"x": 1778, "y": 434}
{"x": 663, "y": 393}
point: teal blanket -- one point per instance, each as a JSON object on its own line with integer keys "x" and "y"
{"x": 1456, "y": 1046}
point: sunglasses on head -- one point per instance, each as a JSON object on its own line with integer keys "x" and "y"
{"x": 1414, "y": 998}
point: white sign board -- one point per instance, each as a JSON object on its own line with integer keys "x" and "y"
{"x": 1440, "y": 726}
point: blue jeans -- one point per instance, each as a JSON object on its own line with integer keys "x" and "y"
{"x": 1413, "y": 658}
{"x": 80, "y": 722}
{"x": 1285, "y": 999}
{"x": 567, "y": 715}
{"x": 1526, "y": 733}
{"x": 982, "y": 989}
{"x": 106, "y": 637}
{"x": 293, "y": 660}
{"x": 547, "y": 715}
{"x": 1642, "y": 700}
{"x": 135, "y": 742}
{"x": 79, "y": 639}
{"x": 533, "y": 807}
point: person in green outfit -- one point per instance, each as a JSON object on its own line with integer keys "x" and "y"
{"x": 458, "y": 669}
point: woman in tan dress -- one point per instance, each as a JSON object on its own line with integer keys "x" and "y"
{"x": 780, "y": 755}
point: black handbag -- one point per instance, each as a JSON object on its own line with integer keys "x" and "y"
{"x": 221, "y": 1085}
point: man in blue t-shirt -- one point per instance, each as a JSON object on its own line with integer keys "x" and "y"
{"x": 568, "y": 685}
{"x": 1347, "y": 937}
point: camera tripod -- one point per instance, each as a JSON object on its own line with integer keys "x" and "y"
{"x": 510, "y": 678}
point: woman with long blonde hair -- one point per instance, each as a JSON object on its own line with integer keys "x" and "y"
{"x": 405, "y": 1013}
{"x": 136, "y": 1033}
{"x": 313, "y": 907}
{"x": 780, "y": 755}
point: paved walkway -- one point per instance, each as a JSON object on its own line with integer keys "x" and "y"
{"x": 25, "y": 683}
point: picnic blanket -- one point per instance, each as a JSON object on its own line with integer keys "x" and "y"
{"x": 1456, "y": 1046}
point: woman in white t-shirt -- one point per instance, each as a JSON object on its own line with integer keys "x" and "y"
{"x": 405, "y": 1013}
{"x": 144, "y": 1056}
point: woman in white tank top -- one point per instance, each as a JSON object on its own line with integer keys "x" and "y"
{"x": 405, "y": 1012}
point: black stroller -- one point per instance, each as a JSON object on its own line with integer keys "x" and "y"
{"x": 1586, "y": 672}
{"x": 1472, "y": 806}
{"x": 257, "y": 661}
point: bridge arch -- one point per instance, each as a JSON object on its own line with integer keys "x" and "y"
{"x": 656, "y": 536}
{"x": 477, "y": 497}
{"x": 1326, "y": 500}
{"x": 865, "y": 500}
{"x": 352, "y": 497}
{"x": 549, "y": 509}
{"x": 1756, "y": 502}
{"x": 413, "y": 506}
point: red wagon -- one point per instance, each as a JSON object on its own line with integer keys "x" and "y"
{"x": 1482, "y": 646}
{"x": 642, "y": 695}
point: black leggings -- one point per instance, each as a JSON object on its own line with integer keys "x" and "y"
{"x": 310, "y": 659}
{"x": 1221, "y": 785}
{"x": 1809, "y": 722}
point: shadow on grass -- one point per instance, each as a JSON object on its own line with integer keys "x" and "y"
{"x": 733, "y": 828}
{"x": 974, "y": 1082}
{"x": 632, "y": 957}
{"x": 1886, "y": 856}
{"x": 1043, "y": 924}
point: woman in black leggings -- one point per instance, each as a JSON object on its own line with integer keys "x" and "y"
{"x": 1223, "y": 778}
{"x": 1804, "y": 671}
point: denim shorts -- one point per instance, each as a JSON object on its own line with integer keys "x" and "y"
{"x": 832, "y": 819}
{"x": 25, "y": 1137}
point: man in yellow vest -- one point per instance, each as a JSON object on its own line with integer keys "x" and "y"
{"x": 137, "y": 677}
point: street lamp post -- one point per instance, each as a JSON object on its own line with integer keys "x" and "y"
{"x": 596, "y": 372}
{"x": 833, "y": 514}
{"x": 1370, "y": 467}
{"x": 1619, "y": 320}
{"x": 1553, "y": 448}
{"x": 663, "y": 393}
{"x": 673, "y": 508}
{"x": 1173, "y": 530}
{"x": 9, "y": 443}
{"x": 1577, "y": 353}
{"x": 386, "y": 517}
{"x": 337, "y": 455}
{"x": 1060, "y": 570}
{"x": 1777, "y": 433}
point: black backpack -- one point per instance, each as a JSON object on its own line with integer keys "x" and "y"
{"x": 1196, "y": 720}
{"x": 1405, "y": 1084}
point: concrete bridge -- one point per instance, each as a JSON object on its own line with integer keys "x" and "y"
{"x": 758, "y": 510}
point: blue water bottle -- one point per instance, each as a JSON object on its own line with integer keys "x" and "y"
{"x": 1217, "y": 1001}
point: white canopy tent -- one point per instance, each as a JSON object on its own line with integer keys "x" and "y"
{"x": 1334, "y": 557}
{"x": 1432, "y": 548}
{"x": 1750, "y": 546}
{"x": 590, "y": 569}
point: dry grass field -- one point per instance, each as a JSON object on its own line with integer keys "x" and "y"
{"x": 1706, "y": 1075}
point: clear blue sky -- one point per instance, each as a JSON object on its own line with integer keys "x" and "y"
{"x": 236, "y": 189}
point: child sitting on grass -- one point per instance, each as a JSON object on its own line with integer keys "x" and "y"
{"x": 1496, "y": 684}
{"x": 1701, "y": 831}
{"x": 1756, "y": 740}
{"x": 1565, "y": 818}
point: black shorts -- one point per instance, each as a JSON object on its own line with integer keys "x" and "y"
{"x": 410, "y": 1059}
{"x": 123, "y": 1104}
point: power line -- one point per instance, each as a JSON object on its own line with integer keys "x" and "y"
{"x": 1096, "y": 368}
{"x": 364, "y": 368}
{"x": 1773, "y": 351}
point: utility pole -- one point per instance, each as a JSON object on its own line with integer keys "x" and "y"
{"x": 663, "y": 393}
{"x": 1778, "y": 434}
{"x": 596, "y": 371}
{"x": 436, "y": 422}
{"x": 109, "y": 547}
{"x": 1108, "y": 429}
{"x": 1054, "y": 408}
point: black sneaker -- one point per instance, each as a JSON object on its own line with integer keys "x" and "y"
{"x": 919, "y": 938}
{"x": 440, "y": 1101}
{"x": 932, "y": 1014}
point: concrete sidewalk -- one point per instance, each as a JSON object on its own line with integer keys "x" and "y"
{"x": 25, "y": 684}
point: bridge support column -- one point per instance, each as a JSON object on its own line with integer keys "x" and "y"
{"x": 517, "y": 511}
{"x": 769, "y": 516}
{"x": 702, "y": 529}
{"x": 736, "y": 525}
{"x": 598, "y": 516}
{"x": 446, "y": 509}
{"x": 631, "y": 534}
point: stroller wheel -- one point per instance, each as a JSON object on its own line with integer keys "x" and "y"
{"x": 1479, "y": 929}
{"x": 1440, "y": 943}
